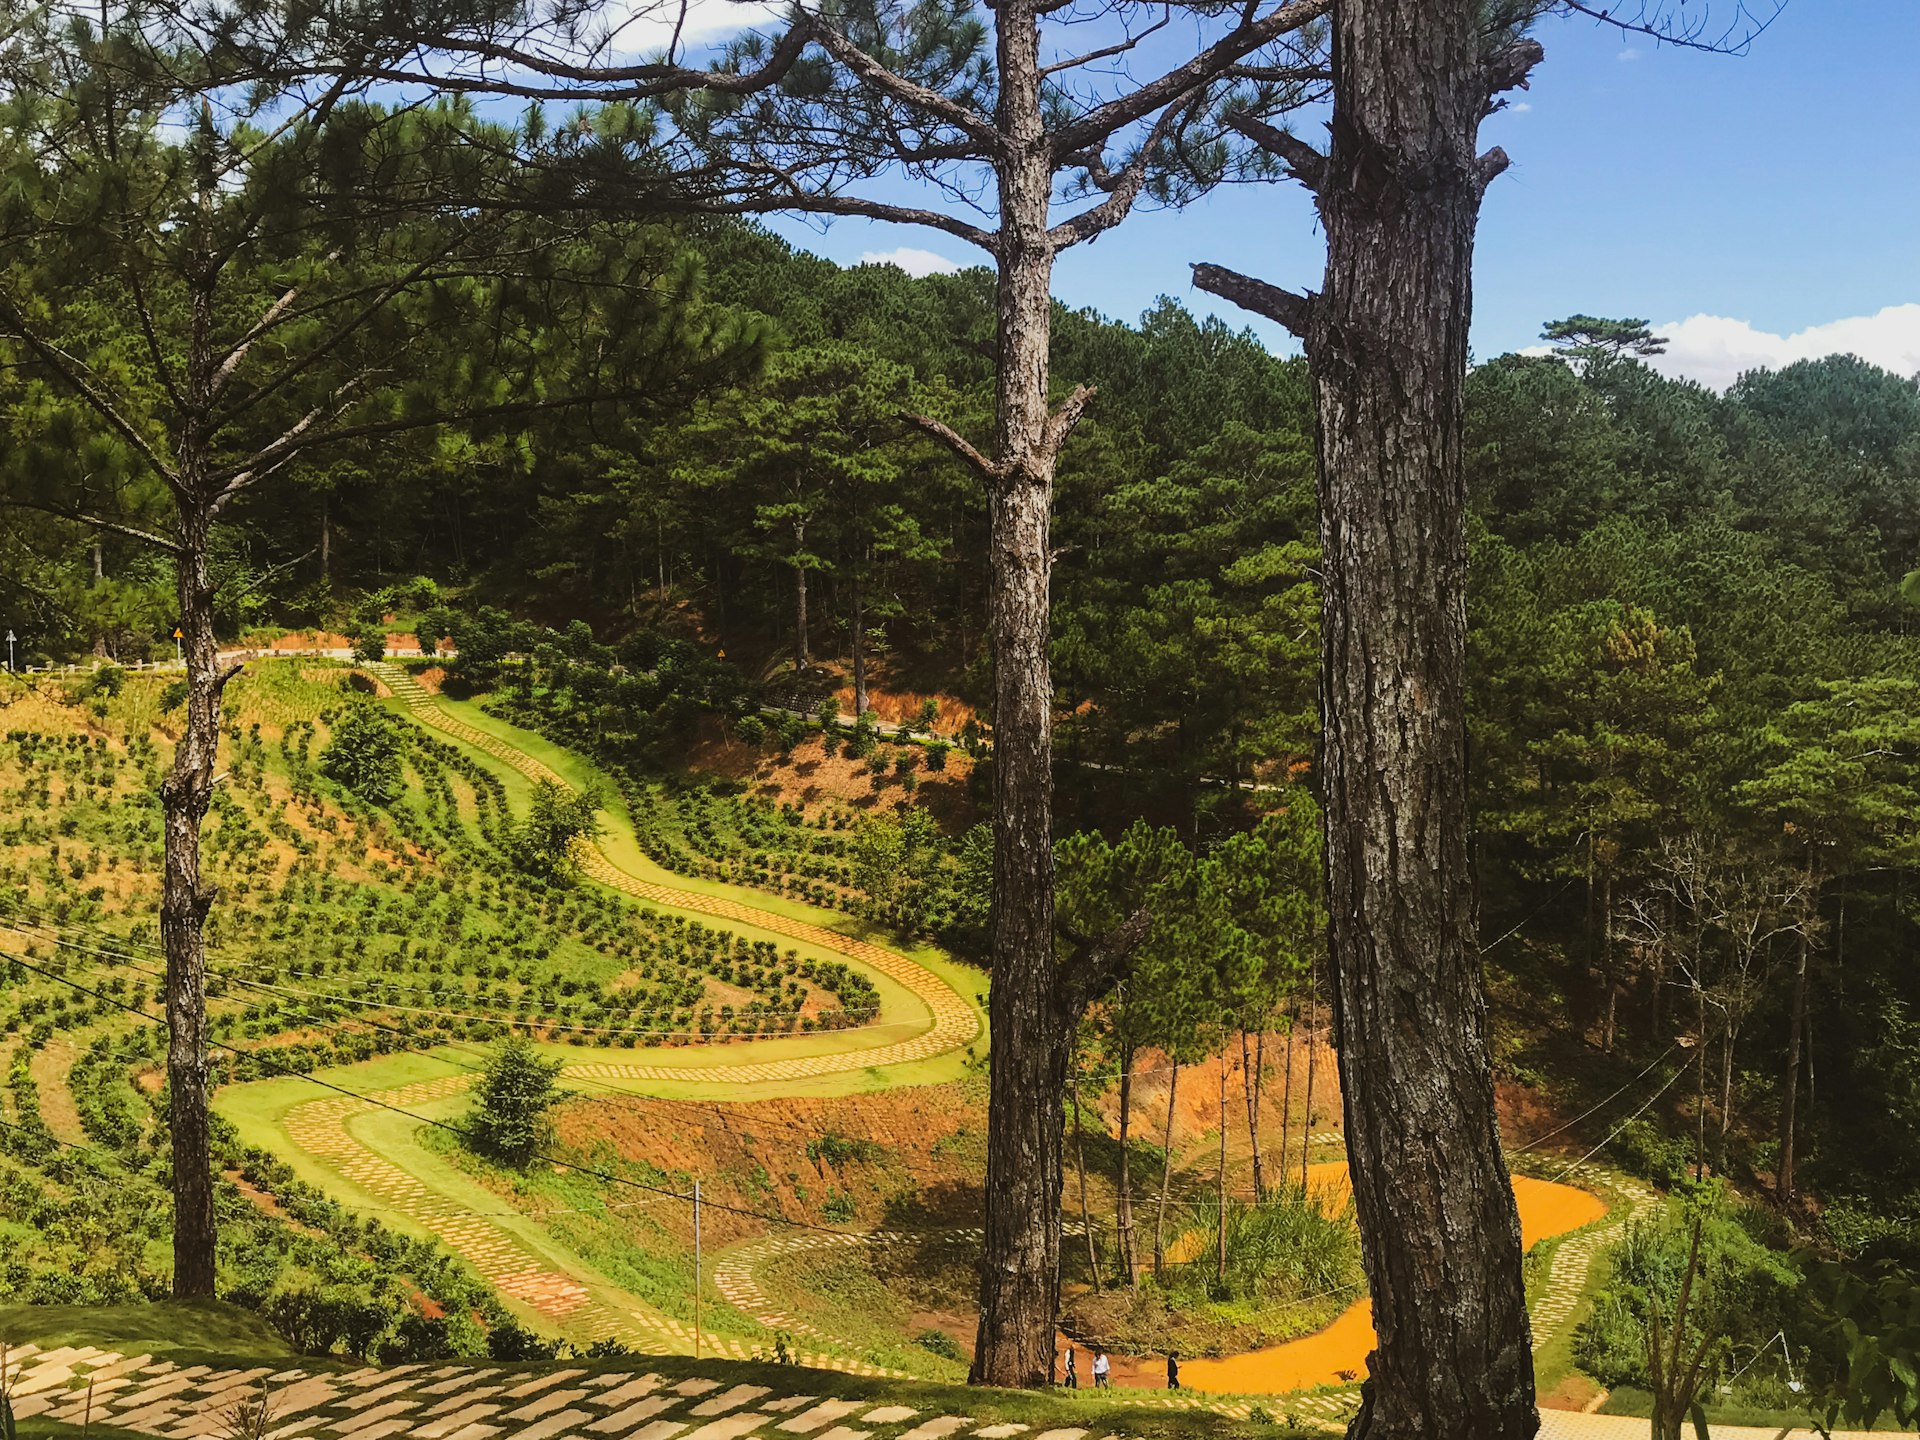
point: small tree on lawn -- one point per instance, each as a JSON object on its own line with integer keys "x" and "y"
{"x": 511, "y": 1116}
{"x": 543, "y": 842}
{"x": 364, "y": 753}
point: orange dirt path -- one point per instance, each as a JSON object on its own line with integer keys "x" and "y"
{"x": 1338, "y": 1354}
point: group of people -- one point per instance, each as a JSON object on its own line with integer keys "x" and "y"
{"x": 1103, "y": 1370}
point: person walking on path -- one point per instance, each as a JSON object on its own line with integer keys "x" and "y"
{"x": 1102, "y": 1369}
{"x": 1073, "y": 1373}
{"x": 1173, "y": 1370}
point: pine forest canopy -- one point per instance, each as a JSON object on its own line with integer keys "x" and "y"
{"x": 308, "y": 352}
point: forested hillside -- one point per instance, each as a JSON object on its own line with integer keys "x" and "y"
{"x": 733, "y": 564}
{"x": 1692, "y": 674}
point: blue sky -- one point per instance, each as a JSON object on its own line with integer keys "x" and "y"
{"x": 1778, "y": 191}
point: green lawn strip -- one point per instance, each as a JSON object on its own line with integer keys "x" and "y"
{"x": 258, "y": 1112}
{"x": 1628, "y": 1400}
{"x": 939, "y": 1070}
{"x": 181, "y": 1330}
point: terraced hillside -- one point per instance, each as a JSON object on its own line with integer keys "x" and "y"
{"x": 349, "y": 932}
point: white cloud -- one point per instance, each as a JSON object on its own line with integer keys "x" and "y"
{"x": 649, "y": 26}
{"x": 1521, "y": 107}
{"x": 1714, "y": 349}
{"x": 1628, "y": 55}
{"x": 914, "y": 262}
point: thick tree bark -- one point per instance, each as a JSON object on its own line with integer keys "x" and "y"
{"x": 1123, "y": 1201}
{"x": 1166, "y": 1175}
{"x": 1439, "y": 1229}
{"x": 1399, "y": 196}
{"x": 184, "y": 798}
{"x": 1020, "y": 1266}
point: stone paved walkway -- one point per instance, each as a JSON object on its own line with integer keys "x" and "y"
{"x": 1574, "y": 1259}
{"x": 470, "y": 1401}
{"x": 461, "y": 1401}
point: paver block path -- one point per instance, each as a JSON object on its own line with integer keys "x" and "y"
{"x": 451, "y": 1402}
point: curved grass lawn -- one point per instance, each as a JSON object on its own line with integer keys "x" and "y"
{"x": 381, "y": 1159}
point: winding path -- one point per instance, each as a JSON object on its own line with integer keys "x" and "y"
{"x": 325, "y": 1129}
{"x": 953, "y": 1022}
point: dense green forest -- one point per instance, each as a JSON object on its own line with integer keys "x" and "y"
{"x": 1693, "y": 702}
{"x": 656, "y": 480}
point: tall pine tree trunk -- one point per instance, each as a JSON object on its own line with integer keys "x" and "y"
{"x": 1399, "y": 195}
{"x": 1796, "y": 1030}
{"x": 1123, "y": 1199}
{"x": 1700, "y": 1088}
{"x": 1286, "y": 1103}
{"x": 1166, "y": 1175}
{"x": 859, "y": 640}
{"x": 1250, "y": 1085}
{"x": 1080, "y": 1164}
{"x": 184, "y": 900}
{"x": 1609, "y": 1005}
{"x": 1220, "y": 1231}
{"x": 1032, "y": 1027}
{"x": 1790, "y": 1094}
{"x": 801, "y": 658}
{"x": 1306, "y": 1127}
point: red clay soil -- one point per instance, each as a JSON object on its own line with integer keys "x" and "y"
{"x": 311, "y": 640}
{"x": 815, "y": 782}
{"x": 1196, "y": 1116}
{"x": 923, "y": 1156}
{"x": 897, "y": 706}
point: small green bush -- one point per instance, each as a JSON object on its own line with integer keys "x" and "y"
{"x": 509, "y": 1120}
{"x": 938, "y": 1342}
{"x": 364, "y": 753}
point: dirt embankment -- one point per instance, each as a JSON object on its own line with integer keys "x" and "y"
{"x": 816, "y": 781}
{"x": 911, "y": 1157}
{"x": 896, "y": 707}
